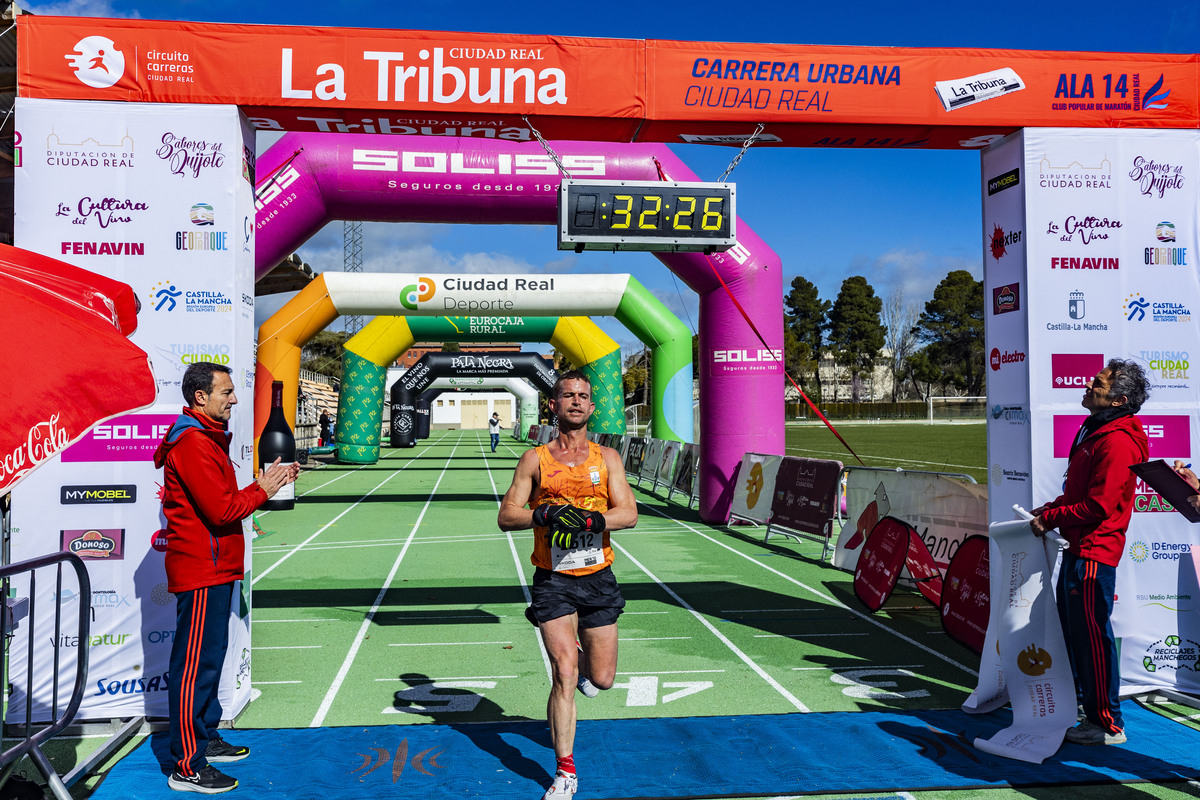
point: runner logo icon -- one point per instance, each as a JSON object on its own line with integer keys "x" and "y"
{"x": 97, "y": 62}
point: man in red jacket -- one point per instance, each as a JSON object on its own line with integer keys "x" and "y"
{"x": 205, "y": 555}
{"x": 1092, "y": 514}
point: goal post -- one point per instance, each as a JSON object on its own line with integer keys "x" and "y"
{"x": 957, "y": 409}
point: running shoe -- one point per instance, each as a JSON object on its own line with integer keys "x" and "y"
{"x": 1088, "y": 732}
{"x": 220, "y": 751}
{"x": 564, "y": 787}
{"x": 207, "y": 781}
{"x": 588, "y": 688}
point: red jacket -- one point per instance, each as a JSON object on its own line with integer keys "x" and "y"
{"x": 1094, "y": 509}
{"x": 203, "y": 506}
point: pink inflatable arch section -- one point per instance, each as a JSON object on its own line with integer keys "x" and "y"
{"x": 307, "y": 180}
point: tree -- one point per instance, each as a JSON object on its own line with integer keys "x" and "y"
{"x": 323, "y": 353}
{"x": 952, "y": 328}
{"x": 636, "y": 378}
{"x": 920, "y": 371}
{"x": 855, "y": 332}
{"x": 451, "y": 347}
{"x": 806, "y": 320}
{"x": 899, "y": 318}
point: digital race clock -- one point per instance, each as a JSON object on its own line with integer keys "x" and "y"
{"x": 646, "y": 215}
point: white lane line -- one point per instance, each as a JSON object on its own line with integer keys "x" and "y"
{"x": 272, "y": 683}
{"x": 802, "y": 635}
{"x": 512, "y": 548}
{"x": 338, "y": 546}
{"x": 326, "y": 526}
{"x": 874, "y": 458}
{"x": 291, "y": 647}
{"x": 439, "y": 644}
{"x": 762, "y": 673}
{"x": 673, "y": 672}
{"x": 482, "y": 616}
{"x": 336, "y": 686}
{"x": 331, "y": 480}
{"x": 768, "y": 610}
{"x": 439, "y": 537}
{"x": 458, "y": 678}
{"x": 827, "y": 598}
{"x": 859, "y": 665}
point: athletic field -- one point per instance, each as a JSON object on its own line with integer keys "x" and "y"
{"x": 388, "y": 597}
{"x": 958, "y": 448}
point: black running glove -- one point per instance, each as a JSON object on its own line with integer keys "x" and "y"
{"x": 564, "y": 540}
{"x": 564, "y": 521}
{"x": 568, "y": 518}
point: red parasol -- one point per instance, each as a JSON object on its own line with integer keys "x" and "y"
{"x": 66, "y": 362}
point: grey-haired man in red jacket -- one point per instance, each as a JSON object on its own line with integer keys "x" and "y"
{"x": 205, "y": 555}
{"x": 1092, "y": 514}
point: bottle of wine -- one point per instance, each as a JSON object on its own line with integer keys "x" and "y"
{"x": 275, "y": 442}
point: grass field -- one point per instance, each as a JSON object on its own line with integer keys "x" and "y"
{"x": 390, "y": 586}
{"x": 944, "y": 447}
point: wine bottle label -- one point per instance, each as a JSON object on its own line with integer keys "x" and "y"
{"x": 286, "y": 492}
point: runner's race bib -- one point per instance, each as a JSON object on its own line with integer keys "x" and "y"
{"x": 587, "y": 552}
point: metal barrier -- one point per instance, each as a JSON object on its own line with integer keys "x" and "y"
{"x": 847, "y": 470}
{"x": 32, "y": 741}
{"x": 948, "y": 527}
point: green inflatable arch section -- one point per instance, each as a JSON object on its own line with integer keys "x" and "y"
{"x": 386, "y": 338}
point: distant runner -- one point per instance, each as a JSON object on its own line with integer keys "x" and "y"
{"x": 577, "y": 492}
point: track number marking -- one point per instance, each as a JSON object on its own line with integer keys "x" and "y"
{"x": 859, "y": 685}
{"x": 643, "y": 690}
{"x": 424, "y": 698}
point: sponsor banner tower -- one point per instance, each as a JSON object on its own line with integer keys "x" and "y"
{"x": 1090, "y": 253}
{"x": 160, "y": 197}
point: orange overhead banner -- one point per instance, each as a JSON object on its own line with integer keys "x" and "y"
{"x": 339, "y": 79}
{"x": 482, "y": 85}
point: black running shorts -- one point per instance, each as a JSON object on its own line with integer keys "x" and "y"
{"x": 595, "y": 597}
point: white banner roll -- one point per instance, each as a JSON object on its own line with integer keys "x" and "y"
{"x": 1031, "y": 670}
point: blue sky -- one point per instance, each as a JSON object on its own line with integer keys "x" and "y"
{"x": 901, "y": 219}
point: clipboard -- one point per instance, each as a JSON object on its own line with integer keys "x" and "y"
{"x": 1170, "y": 484}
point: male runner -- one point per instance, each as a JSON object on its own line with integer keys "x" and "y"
{"x": 572, "y": 492}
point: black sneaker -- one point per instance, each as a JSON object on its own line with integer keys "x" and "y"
{"x": 207, "y": 781}
{"x": 220, "y": 751}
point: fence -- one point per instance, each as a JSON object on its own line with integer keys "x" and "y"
{"x": 973, "y": 408}
{"x": 791, "y": 496}
{"x": 31, "y": 741}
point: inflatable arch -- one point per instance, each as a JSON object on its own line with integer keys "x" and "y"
{"x": 385, "y": 338}
{"x": 311, "y": 179}
{"x": 432, "y": 366}
{"x": 381, "y": 341}
{"x": 333, "y": 293}
{"x": 527, "y": 401}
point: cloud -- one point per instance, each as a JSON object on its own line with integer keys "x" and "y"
{"x": 915, "y": 273}
{"x": 82, "y": 8}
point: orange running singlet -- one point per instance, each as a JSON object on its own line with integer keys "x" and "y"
{"x": 584, "y": 486}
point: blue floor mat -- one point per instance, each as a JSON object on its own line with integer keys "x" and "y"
{"x": 668, "y": 758}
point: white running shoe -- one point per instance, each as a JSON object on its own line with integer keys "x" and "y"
{"x": 588, "y": 688}
{"x": 563, "y": 788}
